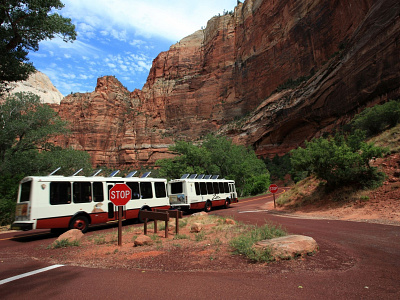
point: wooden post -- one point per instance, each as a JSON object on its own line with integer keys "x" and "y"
{"x": 177, "y": 225}
{"x": 155, "y": 226}
{"x": 166, "y": 227}
{"x": 145, "y": 226}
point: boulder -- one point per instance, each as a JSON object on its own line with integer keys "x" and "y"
{"x": 201, "y": 213}
{"x": 71, "y": 235}
{"x": 142, "y": 240}
{"x": 290, "y": 246}
{"x": 230, "y": 222}
{"x": 196, "y": 227}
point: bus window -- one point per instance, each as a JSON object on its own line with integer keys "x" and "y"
{"x": 135, "y": 189}
{"x": 98, "y": 195}
{"x": 160, "y": 189}
{"x": 197, "y": 186}
{"x": 216, "y": 188}
{"x": 176, "y": 188}
{"x": 25, "y": 191}
{"x": 221, "y": 188}
{"x": 60, "y": 193}
{"x": 210, "y": 188}
{"x": 203, "y": 188}
{"x": 226, "y": 187}
{"x": 145, "y": 190}
{"x": 82, "y": 192}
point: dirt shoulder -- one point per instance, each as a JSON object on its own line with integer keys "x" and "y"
{"x": 381, "y": 205}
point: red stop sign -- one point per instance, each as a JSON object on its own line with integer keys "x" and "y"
{"x": 273, "y": 188}
{"x": 120, "y": 194}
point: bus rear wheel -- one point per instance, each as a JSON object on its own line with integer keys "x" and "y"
{"x": 207, "y": 207}
{"x": 140, "y": 219}
{"x": 81, "y": 223}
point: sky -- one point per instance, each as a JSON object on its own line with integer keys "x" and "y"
{"x": 120, "y": 38}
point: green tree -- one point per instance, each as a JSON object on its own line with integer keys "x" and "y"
{"x": 339, "y": 161}
{"x": 23, "y": 25}
{"x": 218, "y": 155}
{"x": 26, "y": 126}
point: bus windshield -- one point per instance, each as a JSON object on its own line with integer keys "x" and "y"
{"x": 176, "y": 188}
{"x": 25, "y": 191}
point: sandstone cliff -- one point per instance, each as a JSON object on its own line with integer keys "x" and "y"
{"x": 223, "y": 79}
{"x": 38, "y": 84}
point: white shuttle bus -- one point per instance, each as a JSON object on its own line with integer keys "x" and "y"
{"x": 194, "y": 191}
{"x": 50, "y": 202}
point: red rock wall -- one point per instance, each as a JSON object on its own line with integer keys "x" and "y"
{"x": 229, "y": 70}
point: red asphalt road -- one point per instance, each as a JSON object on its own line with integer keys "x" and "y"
{"x": 356, "y": 261}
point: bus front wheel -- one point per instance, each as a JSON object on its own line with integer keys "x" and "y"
{"x": 81, "y": 223}
{"x": 227, "y": 203}
{"x": 207, "y": 207}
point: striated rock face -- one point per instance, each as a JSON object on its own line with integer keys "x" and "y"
{"x": 223, "y": 79}
{"x": 38, "y": 84}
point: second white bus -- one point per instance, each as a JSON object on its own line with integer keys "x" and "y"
{"x": 198, "y": 192}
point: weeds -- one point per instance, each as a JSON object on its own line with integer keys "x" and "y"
{"x": 181, "y": 237}
{"x": 243, "y": 244}
{"x": 64, "y": 244}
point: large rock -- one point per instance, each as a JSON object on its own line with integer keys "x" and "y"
{"x": 290, "y": 246}
{"x": 213, "y": 78}
{"x": 143, "y": 240}
{"x": 71, "y": 235}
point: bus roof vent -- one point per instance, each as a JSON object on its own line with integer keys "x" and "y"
{"x": 96, "y": 172}
{"x": 52, "y": 173}
{"x": 113, "y": 173}
{"x": 76, "y": 173}
{"x": 145, "y": 175}
{"x": 193, "y": 176}
{"x": 207, "y": 177}
{"x": 131, "y": 174}
{"x": 215, "y": 177}
{"x": 201, "y": 176}
{"x": 184, "y": 176}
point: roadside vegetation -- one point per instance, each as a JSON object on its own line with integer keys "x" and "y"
{"x": 219, "y": 237}
{"x": 343, "y": 162}
{"x": 218, "y": 155}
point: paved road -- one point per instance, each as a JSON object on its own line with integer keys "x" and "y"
{"x": 356, "y": 261}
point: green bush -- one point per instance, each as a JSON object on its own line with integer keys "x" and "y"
{"x": 376, "y": 119}
{"x": 340, "y": 161}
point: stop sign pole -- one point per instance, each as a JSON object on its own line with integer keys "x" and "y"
{"x": 120, "y": 194}
{"x": 273, "y": 188}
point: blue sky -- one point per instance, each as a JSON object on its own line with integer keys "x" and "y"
{"x": 121, "y": 38}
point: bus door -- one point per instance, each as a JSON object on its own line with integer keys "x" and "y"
{"x": 232, "y": 191}
{"x": 111, "y": 208}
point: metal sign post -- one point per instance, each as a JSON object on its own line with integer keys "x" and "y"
{"x": 120, "y": 194}
{"x": 273, "y": 188}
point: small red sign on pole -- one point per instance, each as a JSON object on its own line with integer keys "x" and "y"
{"x": 120, "y": 194}
{"x": 273, "y": 188}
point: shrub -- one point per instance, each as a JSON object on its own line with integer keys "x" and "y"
{"x": 64, "y": 243}
{"x": 378, "y": 118}
{"x": 340, "y": 161}
{"x": 243, "y": 244}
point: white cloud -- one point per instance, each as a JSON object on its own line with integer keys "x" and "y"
{"x": 172, "y": 19}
